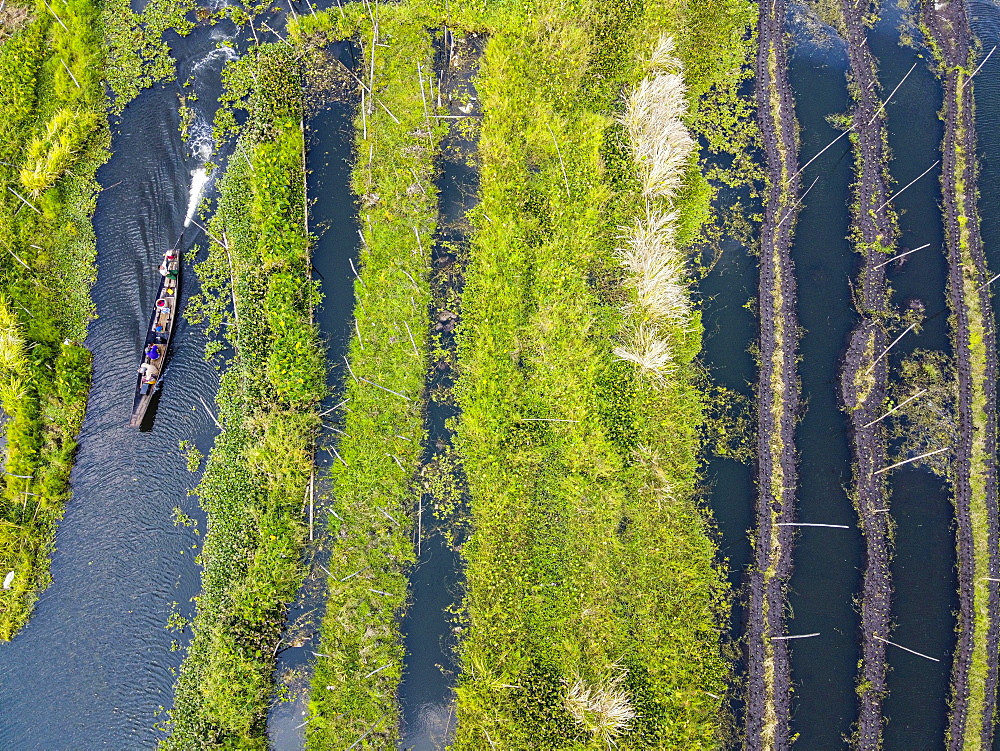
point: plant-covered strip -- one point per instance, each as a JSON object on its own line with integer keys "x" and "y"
{"x": 634, "y": 568}
{"x": 973, "y": 336}
{"x": 138, "y": 55}
{"x": 258, "y": 473}
{"x": 53, "y": 137}
{"x": 592, "y": 606}
{"x": 360, "y": 657}
{"x": 768, "y": 700}
{"x": 865, "y": 372}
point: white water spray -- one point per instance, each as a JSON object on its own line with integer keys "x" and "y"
{"x": 199, "y": 177}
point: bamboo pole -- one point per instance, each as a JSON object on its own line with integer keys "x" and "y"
{"x": 892, "y": 94}
{"x": 886, "y": 350}
{"x": 900, "y": 464}
{"x": 902, "y": 255}
{"x": 907, "y": 649}
{"x": 898, "y": 406}
{"x": 898, "y": 192}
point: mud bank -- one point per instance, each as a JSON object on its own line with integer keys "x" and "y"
{"x": 768, "y": 700}
{"x": 973, "y": 470}
{"x": 865, "y": 371}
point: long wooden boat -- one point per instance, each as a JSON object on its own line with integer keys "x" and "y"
{"x": 162, "y": 322}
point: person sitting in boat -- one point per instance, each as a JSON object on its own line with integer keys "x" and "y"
{"x": 153, "y": 351}
{"x": 165, "y": 268}
{"x": 149, "y": 372}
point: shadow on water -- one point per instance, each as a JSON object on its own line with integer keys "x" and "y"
{"x": 333, "y": 219}
{"x": 923, "y": 570}
{"x": 95, "y": 663}
{"x": 827, "y": 561}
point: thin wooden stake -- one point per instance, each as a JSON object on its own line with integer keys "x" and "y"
{"x": 796, "y": 636}
{"x": 70, "y": 73}
{"x": 402, "y": 396}
{"x": 559, "y": 154}
{"x": 378, "y": 670}
{"x": 415, "y": 351}
{"x": 335, "y": 453}
{"x": 898, "y": 406}
{"x": 892, "y": 94}
{"x": 900, "y": 464}
{"x": 25, "y": 200}
{"x": 902, "y": 255}
{"x": 312, "y": 487}
{"x": 978, "y": 67}
{"x": 898, "y": 192}
{"x": 886, "y": 350}
{"x": 55, "y": 14}
{"x": 907, "y": 649}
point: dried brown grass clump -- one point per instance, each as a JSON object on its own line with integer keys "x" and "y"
{"x": 649, "y": 351}
{"x": 656, "y": 267}
{"x": 605, "y": 710}
{"x": 654, "y": 119}
{"x": 662, "y": 148}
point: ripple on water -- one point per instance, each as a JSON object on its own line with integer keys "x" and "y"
{"x": 95, "y": 663}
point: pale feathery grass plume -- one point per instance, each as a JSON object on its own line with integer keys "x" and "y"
{"x": 604, "y": 710}
{"x": 653, "y": 118}
{"x": 656, "y": 267}
{"x": 649, "y": 351}
{"x": 662, "y": 58}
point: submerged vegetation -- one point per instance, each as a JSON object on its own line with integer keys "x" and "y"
{"x": 52, "y": 139}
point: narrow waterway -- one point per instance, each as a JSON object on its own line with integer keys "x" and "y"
{"x": 827, "y": 561}
{"x": 924, "y": 566}
{"x": 333, "y": 220}
{"x": 430, "y": 667}
{"x": 96, "y": 662}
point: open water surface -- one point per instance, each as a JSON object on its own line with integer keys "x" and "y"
{"x": 828, "y": 561}
{"x": 95, "y": 663}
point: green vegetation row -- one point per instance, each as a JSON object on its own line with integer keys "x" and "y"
{"x": 360, "y": 657}
{"x": 257, "y": 280}
{"x": 593, "y": 604}
{"x": 53, "y": 137}
{"x": 592, "y": 583}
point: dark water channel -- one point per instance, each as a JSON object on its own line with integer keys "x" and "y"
{"x": 95, "y": 663}
{"x": 430, "y": 667}
{"x": 333, "y": 220}
{"x": 924, "y": 567}
{"x": 828, "y": 561}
